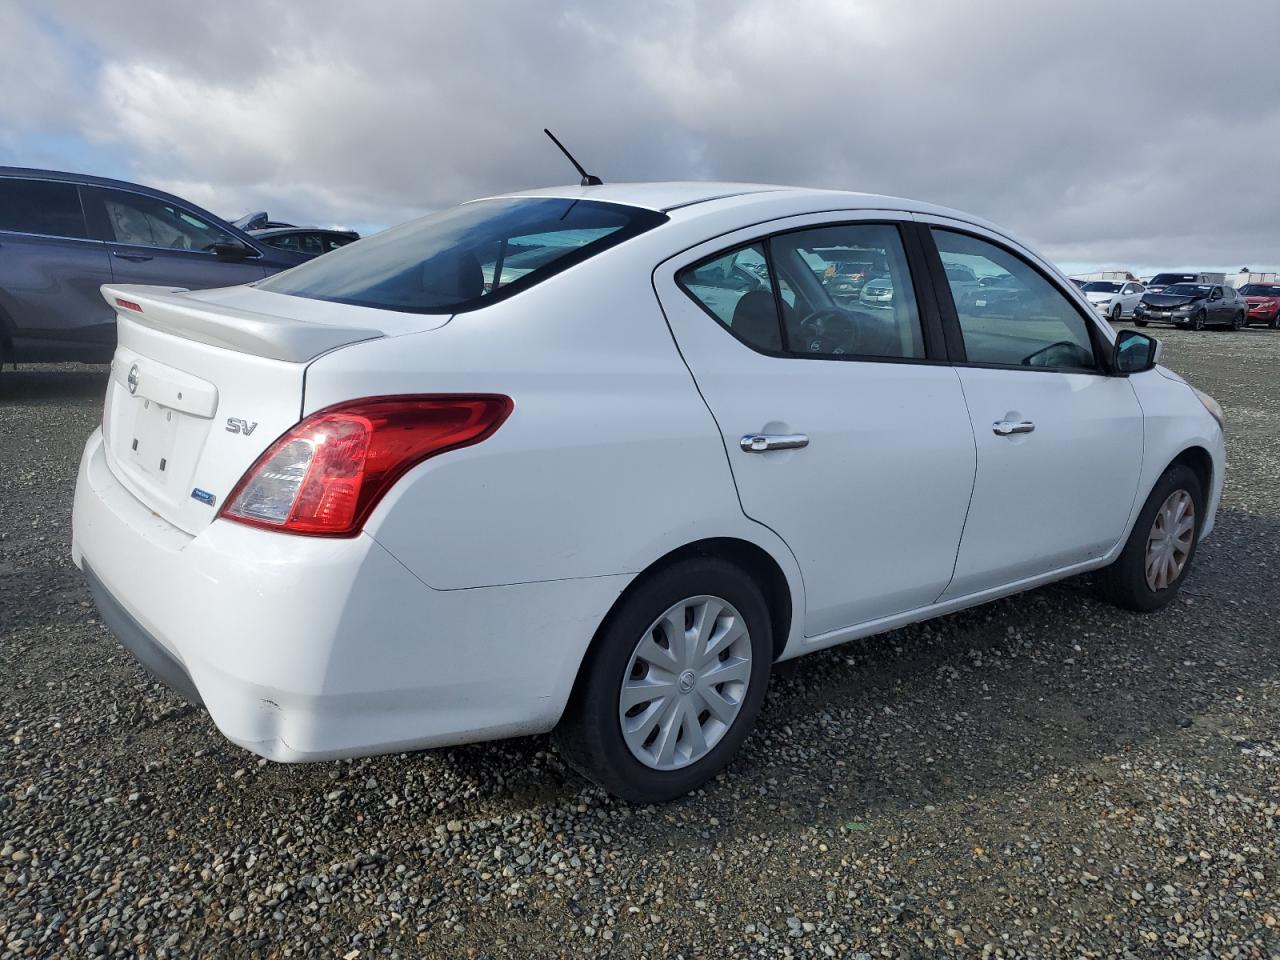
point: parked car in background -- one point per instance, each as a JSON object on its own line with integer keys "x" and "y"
{"x": 259, "y": 221}
{"x": 878, "y": 293}
{"x": 1114, "y": 299}
{"x": 63, "y": 235}
{"x": 1264, "y": 303}
{"x": 368, "y": 517}
{"x": 1162, "y": 280}
{"x": 1194, "y": 305}
{"x": 308, "y": 241}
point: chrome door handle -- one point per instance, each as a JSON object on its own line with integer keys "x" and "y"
{"x": 760, "y": 442}
{"x": 1004, "y": 428}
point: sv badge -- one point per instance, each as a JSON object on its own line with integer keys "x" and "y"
{"x": 236, "y": 425}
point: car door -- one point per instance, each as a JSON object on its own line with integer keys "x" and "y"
{"x": 1059, "y": 439}
{"x": 1130, "y": 294}
{"x": 1214, "y": 307}
{"x": 156, "y": 241}
{"x": 845, "y": 429}
{"x": 50, "y": 272}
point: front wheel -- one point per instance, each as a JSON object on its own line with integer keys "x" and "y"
{"x": 1157, "y": 556}
{"x": 1197, "y": 322}
{"x": 1275, "y": 322}
{"x": 672, "y": 684}
{"x": 1139, "y": 323}
{"x": 1117, "y": 313}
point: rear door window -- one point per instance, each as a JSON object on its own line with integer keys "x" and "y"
{"x": 466, "y": 257}
{"x": 843, "y": 291}
{"x": 854, "y": 295}
{"x": 736, "y": 288}
{"x": 49, "y": 208}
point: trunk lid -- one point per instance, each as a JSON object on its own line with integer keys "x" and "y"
{"x": 203, "y": 382}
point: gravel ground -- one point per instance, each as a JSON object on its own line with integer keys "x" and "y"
{"x": 1045, "y": 776}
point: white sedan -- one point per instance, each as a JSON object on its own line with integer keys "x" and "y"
{"x": 1113, "y": 299}
{"x": 408, "y": 495}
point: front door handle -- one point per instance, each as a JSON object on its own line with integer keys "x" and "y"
{"x": 760, "y": 442}
{"x": 132, "y": 257}
{"x": 1004, "y": 428}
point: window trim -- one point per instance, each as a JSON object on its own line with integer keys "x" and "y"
{"x": 926, "y": 308}
{"x": 951, "y": 316}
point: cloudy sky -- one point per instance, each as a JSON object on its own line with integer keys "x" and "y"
{"x": 1136, "y": 134}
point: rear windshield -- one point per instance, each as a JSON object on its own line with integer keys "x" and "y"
{"x": 466, "y": 257}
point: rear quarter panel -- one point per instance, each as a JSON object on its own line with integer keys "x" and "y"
{"x": 609, "y": 460}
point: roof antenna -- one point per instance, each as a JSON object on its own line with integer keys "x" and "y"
{"x": 588, "y": 179}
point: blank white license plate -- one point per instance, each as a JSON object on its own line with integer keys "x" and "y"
{"x": 154, "y": 429}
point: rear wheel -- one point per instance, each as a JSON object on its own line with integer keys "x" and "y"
{"x": 672, "y": 684}
{"x": 1157, "y": 556}
{"x": 1238, "y": 322}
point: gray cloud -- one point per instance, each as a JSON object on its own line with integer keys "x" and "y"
{"x": 1142, "y": 133}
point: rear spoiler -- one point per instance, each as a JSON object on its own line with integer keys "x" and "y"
{"x": 172, "y": 310}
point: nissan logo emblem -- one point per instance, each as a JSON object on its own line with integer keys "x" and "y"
{"x": 133, "y": 379}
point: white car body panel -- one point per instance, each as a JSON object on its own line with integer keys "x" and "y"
{"x": 1033, "y": 509}
{"x": 890, "y": 460}
{"x": 464, "y": 608}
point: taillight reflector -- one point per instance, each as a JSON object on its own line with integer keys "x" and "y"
{"x": 327, "y": 473}
{"x": 128, "y": 304}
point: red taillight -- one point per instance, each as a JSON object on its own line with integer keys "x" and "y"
{"x": 128, "y": 304}
{"x": 325, "y": 475}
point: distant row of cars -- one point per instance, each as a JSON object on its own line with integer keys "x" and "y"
{"x": 62, "y": 236}
{"x": 308, "y": 241}
{"x": 1195, "y": 300}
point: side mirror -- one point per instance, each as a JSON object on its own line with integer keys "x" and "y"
{"x": 1135, "y": 352}
{"x": 231, "y": 250}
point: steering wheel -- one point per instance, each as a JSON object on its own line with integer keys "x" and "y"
{"x": 828, "y": 331}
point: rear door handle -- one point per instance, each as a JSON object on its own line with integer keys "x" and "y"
{"x": 1004, "y": 428}
{"x": 760, "y": 442}
{"x": 132, "y": 257}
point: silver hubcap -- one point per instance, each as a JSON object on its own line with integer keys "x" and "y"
{"x": 1169, "y": 543}
{"x": 685, "y": 683}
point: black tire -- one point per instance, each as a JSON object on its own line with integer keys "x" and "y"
{"x": 589, "y": 735}
{"x": 1239, "y": 322}
{"x": 1124, "y": 583}
{"x": 1275, "y": 322}
{"x": 1197, "y": 322}
{"x": 1117, "y": 313}
{"x": 1139, "y": 323}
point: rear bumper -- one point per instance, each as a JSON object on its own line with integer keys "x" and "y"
{"x": 308, "y": 649}
{"x": 153, "y": 655}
